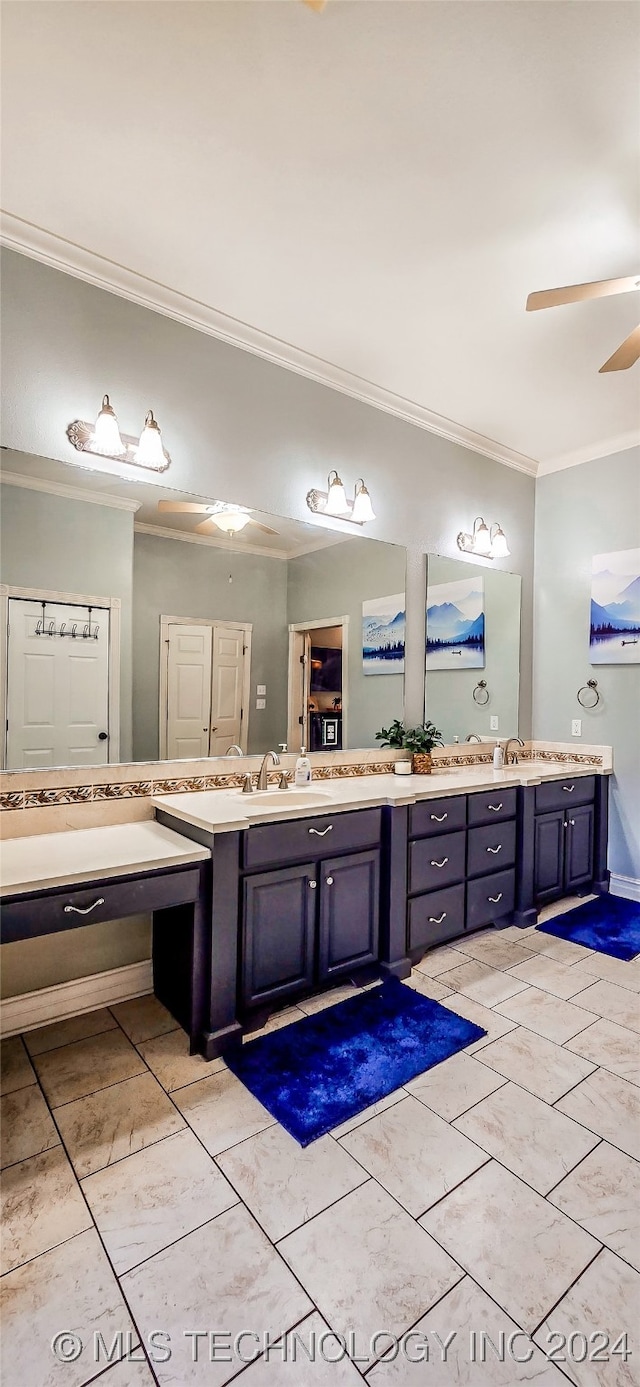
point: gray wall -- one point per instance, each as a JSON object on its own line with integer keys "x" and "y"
{"x": 449, "y": 698}
{"x": 63, "y": 545}
{"x": 335, "y": 582}
{"x": 590, "y": 509}
{"x": 174, "y": 578}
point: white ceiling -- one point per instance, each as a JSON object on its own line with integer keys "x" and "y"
{"x": 379, "y": 186}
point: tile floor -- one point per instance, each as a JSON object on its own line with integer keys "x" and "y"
{"x": 486, "y": 1217}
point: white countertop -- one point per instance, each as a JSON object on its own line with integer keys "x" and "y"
{"x": 222, "y": 811}
{"x": 86, "y": 854}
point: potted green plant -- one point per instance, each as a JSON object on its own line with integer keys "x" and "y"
{"x": 419, "y": 741}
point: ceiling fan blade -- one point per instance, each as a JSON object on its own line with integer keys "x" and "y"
{"x": 576, "y": 293}
{"x": 317, "y": 5}
{"x": 182, "y": 507}
{"x": 265, "y": 528}
{"x": 627, "y": 354}
{"x": 207, "y": 527}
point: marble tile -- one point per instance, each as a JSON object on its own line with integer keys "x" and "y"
{"x": 603, "y": 1195}
{"x": 86, "y": 1066}
{"x": 608, "y": 1106}
{"x": 413, "y": 1154}
{"x": 490, "y": 1022}
{"x": 454, "y": 1085}
{"x": 382, "y": 1104}
{"x": 549, "y": 1016}
{"x": 109, "y": 1125}
{"x": 41, "y": 1206}
{"x": 611, "y": 1046}
{"x": 129, "y": 1372}
{"x": 222, "y": 1111}
{"x": 613, "y": 1003}
{"x": 277, "y": 1021}
{"x": 611, "y": 970}
{"x": 224, "y": 1276}
{"x": 481, "y": 983}
{"x": 563, "y": 950}
{"x": 311, "y": 1005}
{"x": 536, "y": 1064}
{"x": 311, "y": 1340}
{"x": 429, "y": 987}
{"x": 72, "y": 1287}
{"x": 367, "y": 1265}
{"x": 26, "y": 1125}
{"x": 66, "y": 1032}
{"x": 169, "y": 1059}
{"x": 15, "y": 1067}
{"x": 143, "y": 1018}
{"x": 284, "y": 1184}
{"x": 530, "y": 1138}
{"x": 467, "y": 1313}
{"x": 560, "y": 979}
{"x": 603, "y": 1302}
{"x": 438, "y": 961}
{"x": 149, "y": 1200}
{"x": 540, "y": 1250}
{"x": 494, "y": 950}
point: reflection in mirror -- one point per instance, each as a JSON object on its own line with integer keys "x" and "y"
{"x": 473, "y": 649}
{"x": 144, "y": 624}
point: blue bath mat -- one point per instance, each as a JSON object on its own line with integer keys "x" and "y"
{"x": 318, "y": 1072}
{"x": 609, "y": 924}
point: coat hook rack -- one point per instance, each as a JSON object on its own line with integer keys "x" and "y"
{"x": 591, "y": 685}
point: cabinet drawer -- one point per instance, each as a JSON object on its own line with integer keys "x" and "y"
{"x": 90, "y": 905}
{"x": 436, "y": 862}
{"x": 436, "y": 916}
{"x": 437, "y": 816}
{"x": 276, "y": 844}
{"x": 489, "y": 898}
{"x": 491, "y": 847}
{"x": 492, "y": 805}
{"x": 565, "y": 793}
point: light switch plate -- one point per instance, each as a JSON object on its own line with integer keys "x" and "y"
{"x": 576, "y": 727}
{"x": 261, "y": 703}
{"x": 261, "y": 690}
{"x": 494, "y": 723}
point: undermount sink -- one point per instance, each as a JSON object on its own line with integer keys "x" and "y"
{"x": 262, "y": 801}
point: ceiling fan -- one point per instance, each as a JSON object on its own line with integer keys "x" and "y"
{"x": 628, "y": 352}
{"x": 221, "y": 515}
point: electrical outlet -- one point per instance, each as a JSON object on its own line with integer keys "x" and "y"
{"x": 493, "y": 723}
{"x": 261, "y": 690}
{"x": 576, "y": 727}
{"x": 261, "y": 703}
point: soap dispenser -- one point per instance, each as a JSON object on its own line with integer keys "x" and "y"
{"x": 303, "y": 769}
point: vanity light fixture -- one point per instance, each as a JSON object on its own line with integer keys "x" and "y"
{"x": 487, "y": 543}
{"x": 333, "y": 502}
{"x": 104, "y": 439}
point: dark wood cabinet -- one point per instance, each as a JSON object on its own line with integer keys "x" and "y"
{"x": 278, "y": 933}
{"x": 578, "y": 848}
{"x": 563, "y": 852}
{"x": 349, "y": 907}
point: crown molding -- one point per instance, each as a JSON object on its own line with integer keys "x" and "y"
{"x": 73, "y": 493}
{"x": 606, "y": 449}
{"x": 60, "y": 254}
{"x": 163, "y": 532}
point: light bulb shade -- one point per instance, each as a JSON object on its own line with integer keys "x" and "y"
{"x": 362, "y": 509}
{"x": 149, "y": 452}
{"x": 231, "y": 521}
{"x": 499, "y": 547}
{"x": 106, "y": 438}
{"x": 481, "y": 537}
{"x": 337, "y": 503}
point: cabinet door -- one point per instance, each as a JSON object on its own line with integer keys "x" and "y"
{"x": 578, "y": 848}
{"x": 549, "y": 855}
{"x": 349, "y": 912}
{"x": 279, "y": 913}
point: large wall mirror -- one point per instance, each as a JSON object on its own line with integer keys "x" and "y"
{"x": 144, "y": 624}
{"x": 473, "y": 649}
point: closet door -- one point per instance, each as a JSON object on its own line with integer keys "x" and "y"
{"x": 188, "y": 691}
{"x": 227, "y": 678}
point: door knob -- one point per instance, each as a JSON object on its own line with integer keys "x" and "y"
{"x": 103, "y": 736}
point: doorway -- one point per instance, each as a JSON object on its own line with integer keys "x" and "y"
{"x": 317, "y": 698}
{"x": 204, "y": 687}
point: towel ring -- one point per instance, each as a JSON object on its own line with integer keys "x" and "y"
{"x": 591, "y": 684}
{"x": 482, "y": 688}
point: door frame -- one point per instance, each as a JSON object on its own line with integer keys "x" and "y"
{"x": 163, "y": 703}
{"x": 70, "y": 599}
{"x": 295, "y": 628}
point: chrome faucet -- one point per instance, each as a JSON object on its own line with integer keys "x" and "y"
{"x": 472, "y": 737}
{"x": 511, "y": 758}
{"x": 262, "y": 777}
{"x": 234, "y": 750}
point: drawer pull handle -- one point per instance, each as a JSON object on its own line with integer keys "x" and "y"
{"x": 79, "y": 910}
{"x": 329, "y": 881}
{"x": 569, "y": 789}
{"x": 439, "y": 818}
{"x": 440, "y": 864}
{"x": 312, "y": 885}
{"x": 321, "y": 832}
{"x": 495, "y": 808}
{"x": 494, "y": 899}
{"x": 437, "y": 919}
{"x": 494, "y": 850}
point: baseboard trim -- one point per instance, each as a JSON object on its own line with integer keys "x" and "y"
{"x": 31, "y": 1009}
{"x": 629, "y": 887}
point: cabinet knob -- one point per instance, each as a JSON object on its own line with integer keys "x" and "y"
{"x": 329, "y": 881}
{"x": 572, "y": 823}
{"x": 312, "y": 885}
{"x": 440, "y": 864}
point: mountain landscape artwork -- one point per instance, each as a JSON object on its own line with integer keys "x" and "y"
{"x": 615, "y": 608}
{"x": 455, "y": 624}
{"x": 383, "y": 628}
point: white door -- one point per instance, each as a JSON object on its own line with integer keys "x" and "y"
{"x": 57, "y": 685}
{"x": 227, "y": 677}
{"x": 188, "y": 691}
